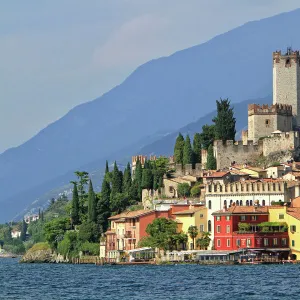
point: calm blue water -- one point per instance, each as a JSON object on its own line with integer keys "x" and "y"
{"x": 49, "y": 281}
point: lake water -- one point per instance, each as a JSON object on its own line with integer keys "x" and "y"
{"x": 59, "y": 281}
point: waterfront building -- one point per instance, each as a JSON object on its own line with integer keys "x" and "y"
{"x": 248, "y": 227}
{"x": 194, "y": 216}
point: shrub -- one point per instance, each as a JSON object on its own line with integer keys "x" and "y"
{"x": 195, "y": 191}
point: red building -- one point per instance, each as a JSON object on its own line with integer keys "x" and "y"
{"x": 241, "y": 227}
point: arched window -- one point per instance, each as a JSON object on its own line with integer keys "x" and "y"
{"x": 209, "y": 204}
{"x": 209, "y": 226}
{"x": 230, "y": 202}
{"x": 247, "y": 202}
{"x": 251, "y": 203}
{"x": 264, "y": 203}
{"x": 237, "y": 203}
{"x": 225, "y": 203}
{"x": 241, "y": 202}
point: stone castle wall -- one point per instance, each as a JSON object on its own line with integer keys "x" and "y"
{"x": 286, "y": 80}
{"x": 240, "y": 153}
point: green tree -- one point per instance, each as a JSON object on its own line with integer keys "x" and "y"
{"x": 88, "y": 231}
{"x": 68, "y": 247}
{"x": 91, "y": 203}
{"x": 127, "y": 180}
{"x": 106, "y": 167}
{"x": 224, "y": 121}
{"x": 211, "y": 163}
{"x": 207, "y": 136}
{"x": 116, "y": 186}
{"x": 83, "y": 179}
{"x": 187, "y": 151}
{"x": 197, "y": 148}
{"x": 195, "y": 191}
{"x": 23, "y": 231}
{"x": 183, "y": 189}
{"x": 204, "y": 241}
{"x": 178, "y": 149}
{"x": 75, "y": 206}
{"x": 55, "y": 229}
{"x": 103, "y": 207}
{"x": 161, "y": 234}
{"x": 193, "y": 232}
{"x": 138, "y": 177}
{"x": 147, "y": 177}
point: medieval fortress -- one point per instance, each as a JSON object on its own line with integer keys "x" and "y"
{"x": 272, "y": 129}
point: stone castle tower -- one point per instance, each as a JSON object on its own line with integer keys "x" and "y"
{"x": 286, "y": 81}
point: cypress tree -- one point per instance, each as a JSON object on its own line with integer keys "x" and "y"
{"x": 103, "y": 210}
{"x": 106, "y": 167}
{"x": 147, "y": 179}
{"x": 127, "y": 181}
{"x": 224, "y": 121}
{"x": 197, "y": 148}
{"x": 116, "y": 186}
{"x": 91, "y": 203}
{"x": 75, "y": 206}
{"x": 39, "y": 213}
{"x": 42, "y": 216}
{"x": 178, "y": 149}
{"x": 211, "y": 161}
{"x": 138, "y": 178}
{"x": 187, "y": 151}
{"x": 23, "y": 231}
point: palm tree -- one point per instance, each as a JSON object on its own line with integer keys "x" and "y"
{"x": 204, "y": 241}
{"x": 193, "y": 232}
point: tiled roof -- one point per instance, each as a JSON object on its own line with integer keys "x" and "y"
{"x": 244, "y": 210}
{"x": 294, "y": 212}
{"x": 217, "y": 174}
{"x": 131, "y": 214}
{"x": 189, "y": 211}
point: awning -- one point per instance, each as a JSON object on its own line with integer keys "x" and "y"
{"x": 140, "y": 250}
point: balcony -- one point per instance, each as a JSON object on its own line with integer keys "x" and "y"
{"x": 265, "y": 227}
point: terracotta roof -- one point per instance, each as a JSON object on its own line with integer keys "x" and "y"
{"x": 131, "y": 214}
{"x": 294, "y": 212}
{"x": 189, "y": 211}
{"x": 217, "y": 174}
{"x": 244, "y": 210}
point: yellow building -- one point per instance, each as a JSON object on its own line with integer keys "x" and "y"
{"x": 254, "y": 172}
{"x": 194, "y": 216}
{"x": 290, "y": 215}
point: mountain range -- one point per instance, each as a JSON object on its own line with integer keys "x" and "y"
{"x": 145, "y": 112}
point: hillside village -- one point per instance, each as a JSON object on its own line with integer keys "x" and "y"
{"x": 216, "y": 201}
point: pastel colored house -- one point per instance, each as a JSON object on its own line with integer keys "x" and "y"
{"x": 193, "y": 216}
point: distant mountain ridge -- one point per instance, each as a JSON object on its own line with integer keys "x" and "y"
{"x": 158, "y": 97}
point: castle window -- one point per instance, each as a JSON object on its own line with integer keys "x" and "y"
{"x": 267, "y": 122}
{"x": 287, "y": 62}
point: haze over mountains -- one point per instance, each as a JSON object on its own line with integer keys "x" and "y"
{"x": 160, "y": 97}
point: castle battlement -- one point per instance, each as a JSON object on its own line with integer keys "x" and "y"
{"x": 265, "y": 109}
{"x": 289, "y": 56}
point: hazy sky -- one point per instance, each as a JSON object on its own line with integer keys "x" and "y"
{"x": 56, "y": 54}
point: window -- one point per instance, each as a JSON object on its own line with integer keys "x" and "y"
{"x": 133, "y": 222}
{"x": 225, "y": 203}
{"x": 228, "y": 229}
{"x": 266, "y": 242}
{"x": 201, "y": 229}
{"x": 209, "y": 226}
{"x": 241, "y": 202}
{"x": 238, "y": 243}
{"x": 267, "y": 122}
{"x": 293, "y": 228}
{"x": 201, "y": 216}
{"x": 237, "y": 203}
{"x": 283, "y": 242}
{"x": 218, "y": 229}
{"x": 247, "y": 202}
{"x": 243, "y": 218}
{"x": 218, "y": 218}
{"x": 248, "y": 242}
{"x": 228, "y": 242}
{"x": 275, "y": 242}
{"x": 281, "y": 216}
{"x": 209, "y": 204}
{"x": 264, "y": 203}
{"x": 230, "y": 202}
{"x": 253, "y": 218}
{"x": 251, "y": 203}
{"x": 227, "y": 218}
{"x": 218, "y": 243}
{"x": 293, "y": 243}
